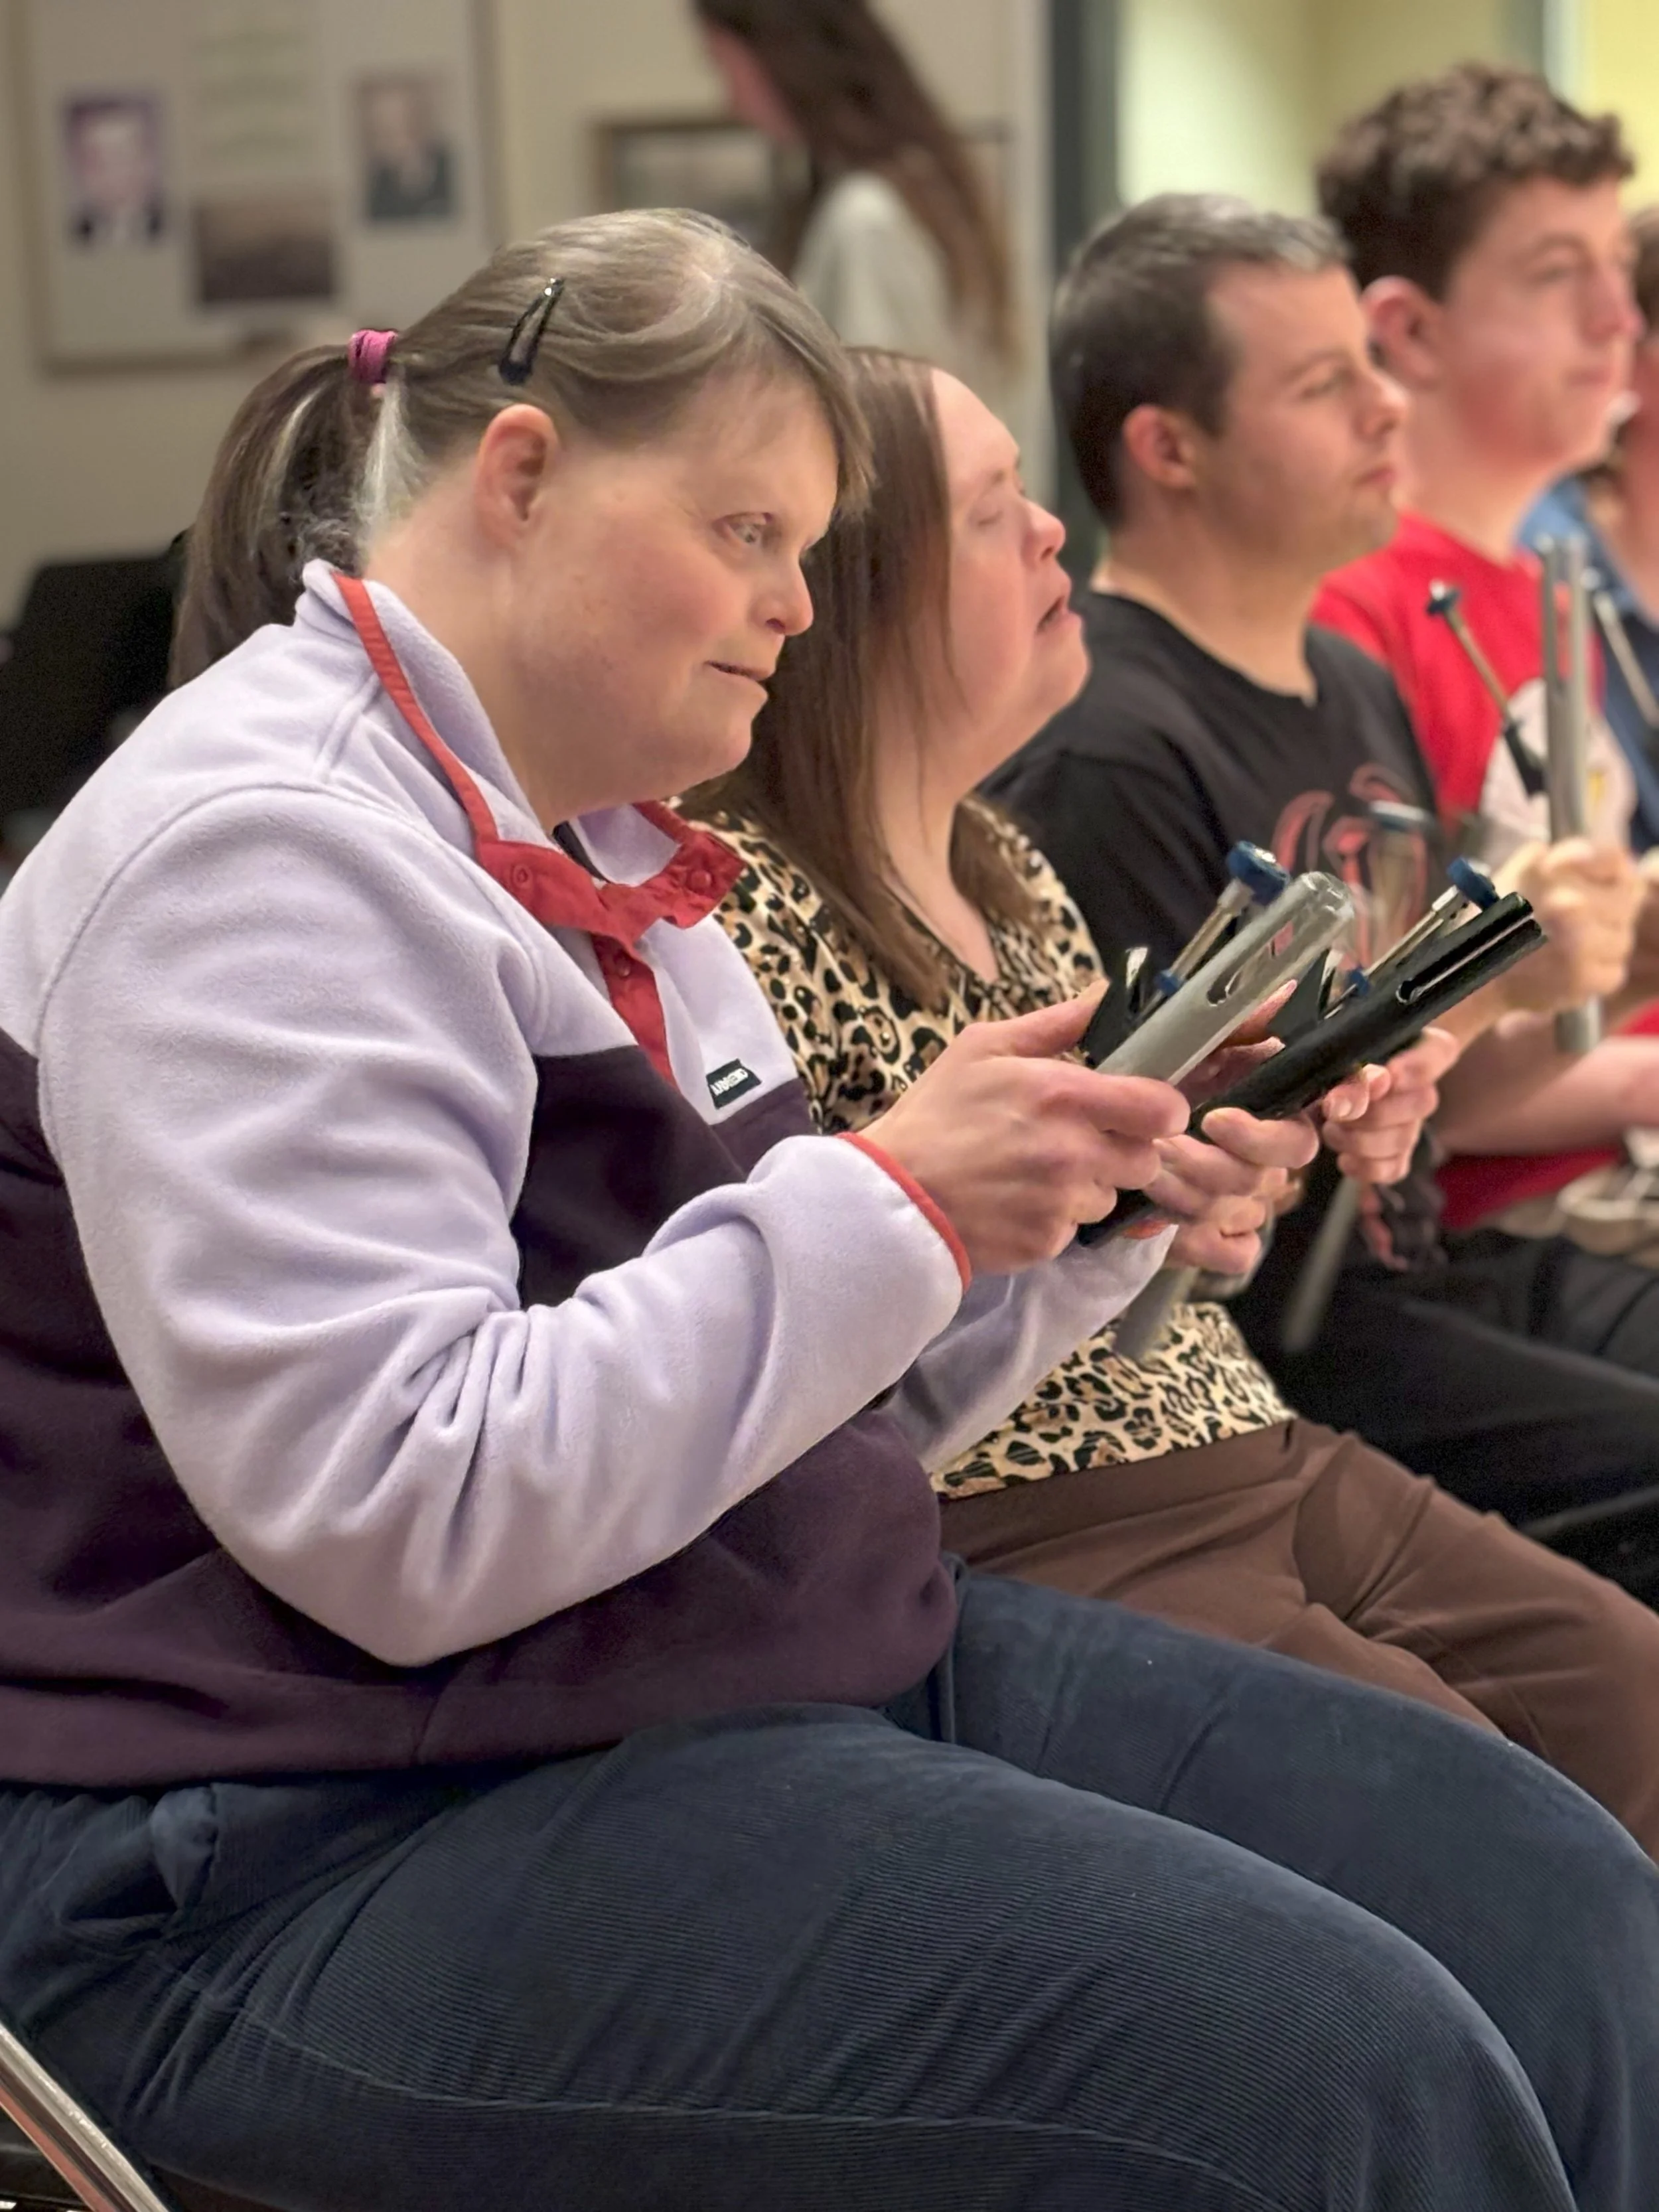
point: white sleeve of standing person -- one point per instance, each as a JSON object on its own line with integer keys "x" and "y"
{"x": 283, "y": 1072}
{"x": 874, "y": 274}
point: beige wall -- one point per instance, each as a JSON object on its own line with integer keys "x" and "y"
{"x": 1239, "y": 95}
{"x": 111, "y": 463}
{"x": 87, "y": 464}
{"x": 1217, "y": 95}
{"x": 1361, "y": 49}
{"x": 1617, "y": 53}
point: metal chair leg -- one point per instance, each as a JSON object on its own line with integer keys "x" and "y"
{"x": 104, "y": 2179}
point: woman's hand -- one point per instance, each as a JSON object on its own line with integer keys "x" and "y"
{"x": 1247, "y": 1047}
{"x": 1223, "y": 1192}
{"x": 1223, "y": 1188}
{"x": 1372, "y": 1120}
{"x": 1016, "y": 1146}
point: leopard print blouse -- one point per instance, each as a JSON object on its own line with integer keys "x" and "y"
{"x": 858, "y": 1040}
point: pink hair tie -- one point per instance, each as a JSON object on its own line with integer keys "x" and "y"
{"x": 368, "y": 354}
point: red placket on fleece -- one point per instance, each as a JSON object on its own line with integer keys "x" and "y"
{"x": 549, "y": 884}
{"x": 561, "y": 895}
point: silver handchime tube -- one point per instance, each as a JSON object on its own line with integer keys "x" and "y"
{"x": 102, "y": 2176}
{"x": 1566, "y": 724}
{"x": 1310, "y": 1297}
{"x": 1143, "y": 1323}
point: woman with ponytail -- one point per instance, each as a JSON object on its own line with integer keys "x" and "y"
{"x": 483, "y": 1715}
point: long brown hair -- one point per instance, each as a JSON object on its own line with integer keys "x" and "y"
{"x": 654, "y": 306}
{"x": 880, "y": 584}
{"x": 859, "y": 103}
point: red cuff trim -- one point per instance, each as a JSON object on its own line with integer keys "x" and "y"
{"x": 935, "y": 1215}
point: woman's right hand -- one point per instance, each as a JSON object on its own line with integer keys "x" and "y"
{"x": 1016, "y": 1146}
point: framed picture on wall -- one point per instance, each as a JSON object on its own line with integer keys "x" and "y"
{"x": 205, "y": 174}
{"x": 703, "y": 161}
{"x": 727, "y": 169}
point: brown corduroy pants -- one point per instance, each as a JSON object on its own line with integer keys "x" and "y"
{"x": 1312, "y": 1544}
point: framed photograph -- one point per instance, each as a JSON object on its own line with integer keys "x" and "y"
{"x": 113, "y": 172}
{"x": 703, "y": 161}
{"x": 728, "y": 169}
{"x": 205, "y": 174}
{"x": 406, "y": 147}
{"x": 276, "y": 246}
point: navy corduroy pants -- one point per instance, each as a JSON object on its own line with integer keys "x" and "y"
{"x": 1105, "y": 1918}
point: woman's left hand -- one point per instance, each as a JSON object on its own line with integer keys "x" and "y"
{"x": 1223, "y": 1187}
{"x": 1372, "y": 1120}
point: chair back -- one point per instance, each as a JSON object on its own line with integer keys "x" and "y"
{"x": 90, "y": 645}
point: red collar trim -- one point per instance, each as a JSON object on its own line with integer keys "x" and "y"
{"x": 560, "y": 893}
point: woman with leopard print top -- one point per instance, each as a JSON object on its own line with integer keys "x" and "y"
{"x": 883, "y": 908}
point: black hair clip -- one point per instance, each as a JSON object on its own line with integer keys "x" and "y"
{"x": 519, "y": 355}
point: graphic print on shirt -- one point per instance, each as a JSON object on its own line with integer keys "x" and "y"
{"x": 1387, "y": 868}
{"x": 1510, "y": 817}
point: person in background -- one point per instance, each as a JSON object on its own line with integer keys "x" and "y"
{"x": 481, "y": 1692}
{"x": 892, "y": 236}
{"x": 1483, "y": 220}
{"x": 1212, "y": 371}
{"x": 884, "y": 909}
{"x": 1614, "y": 504}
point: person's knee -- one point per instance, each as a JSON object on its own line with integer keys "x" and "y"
{"x": 1584, "y": 1889}
{"x": 1367, "y": 2063}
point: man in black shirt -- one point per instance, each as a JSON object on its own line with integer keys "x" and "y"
{"x": 1170, "y": 747}
{"x": 1212, "y": 367}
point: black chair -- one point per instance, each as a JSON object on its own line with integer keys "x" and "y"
{"x": 1618, "y": 1538}
{"x": 89, "y": 652}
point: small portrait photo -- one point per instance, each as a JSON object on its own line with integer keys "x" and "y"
{"x": 112, "y": 145}
{"x": 276, "y": 245}
{"x": 406, "y": 156}
{"x": 720, "y": 168}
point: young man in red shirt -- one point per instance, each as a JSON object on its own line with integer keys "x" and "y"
{"x": 1482, "y": 217}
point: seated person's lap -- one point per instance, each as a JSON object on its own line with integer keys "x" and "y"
{"x": 510, "y": 1953}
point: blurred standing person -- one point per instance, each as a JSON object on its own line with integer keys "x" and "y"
{"x": 1615, "y": 504}
{"x": 891, "y": 235}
